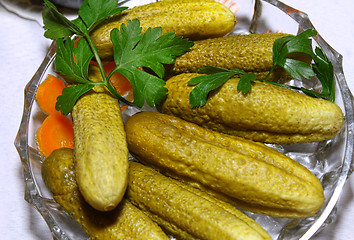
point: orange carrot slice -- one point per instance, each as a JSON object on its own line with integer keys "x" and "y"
{"x": 47, "y": 94}
{"x": 55, "y": 132}
{"x": 119, "y": 82}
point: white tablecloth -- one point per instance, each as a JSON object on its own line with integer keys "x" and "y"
{"x": 22, "y": 47}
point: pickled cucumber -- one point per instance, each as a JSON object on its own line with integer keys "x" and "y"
{"x": 247, "y": 174}
{"x": 268, "y": 113}
{"x": 124, "y": 222}
{"x": 251, "y": 53}
{"x": 185, "y": 212}
{"x": 193, "y": 19}
{"x": 100, "y": 150}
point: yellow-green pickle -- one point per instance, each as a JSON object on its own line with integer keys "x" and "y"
{"x": 100, "y": 149}
{"x": 185, "y": 212}
{"x": 251, "y": 53}
{"x": 247, "y": 174}
{"x": 268, "y": 113}
{"x": 193, "y": 19}
{"x": 124, "y": 222}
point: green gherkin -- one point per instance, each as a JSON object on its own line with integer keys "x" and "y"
{"x": 247, "y": 174}
{"x": 185, "y": 212}
{"x": 100, "y": 149}
{"x": 124, "y": 222}
{"x": 251, "y": 53}
{"x": 193, "y": 19}
{"x": 268, "y": 113}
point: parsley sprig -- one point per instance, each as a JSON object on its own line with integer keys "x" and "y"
{"x": 321, "y": 67}
{"x": 132, "y": 49}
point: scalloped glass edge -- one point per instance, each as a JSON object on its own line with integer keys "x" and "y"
{"x": 304, "y": 228}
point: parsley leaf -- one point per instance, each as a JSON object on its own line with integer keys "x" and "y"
{"x": 245, "y": 83}
{"x": 297, "y": 69}
{"x": 301, "y": 43}
{"x": 290, "y": 44}
{"x": 282, "y": 47}
{"x": 325, "y": 73}
{"x": 133, "y": 49}
{"x": 207, "y": 83}
{"x": 56, "y": 25}
{"x": 147, "y": 86}
{"x": 92, "y": 12}
{"x": 70, "y": 95}
{"x": 72, "y": 62}
{"x": 277, "y": 47}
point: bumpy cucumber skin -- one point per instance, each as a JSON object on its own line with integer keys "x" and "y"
{"x": 193, "y": 19}
{"x": 100, "y": 150}
{"x": 268, "y": 113}
{"x": 247, "y": 174}
{"x": 185, "y": 212}
{"x": 124, "y": 222}
{"x": 251, "y": 53}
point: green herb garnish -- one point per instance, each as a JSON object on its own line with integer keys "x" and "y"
{"x": 132, "y": 49}
{"x": 322, "y": 68}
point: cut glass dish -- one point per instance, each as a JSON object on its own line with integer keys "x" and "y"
{"x": 331, "y": 161}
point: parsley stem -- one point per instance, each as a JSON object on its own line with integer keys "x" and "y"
{"x": 304, "y": 90}
{"x": 332, "y": 94}
{"x": 270, "y": 72}
{"x": 97, "y": 57}
{"x": 106, "y": 81}
{"x": 114, "y": 93}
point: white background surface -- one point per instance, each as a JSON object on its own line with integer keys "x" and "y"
{"x": 22, "y": 47}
